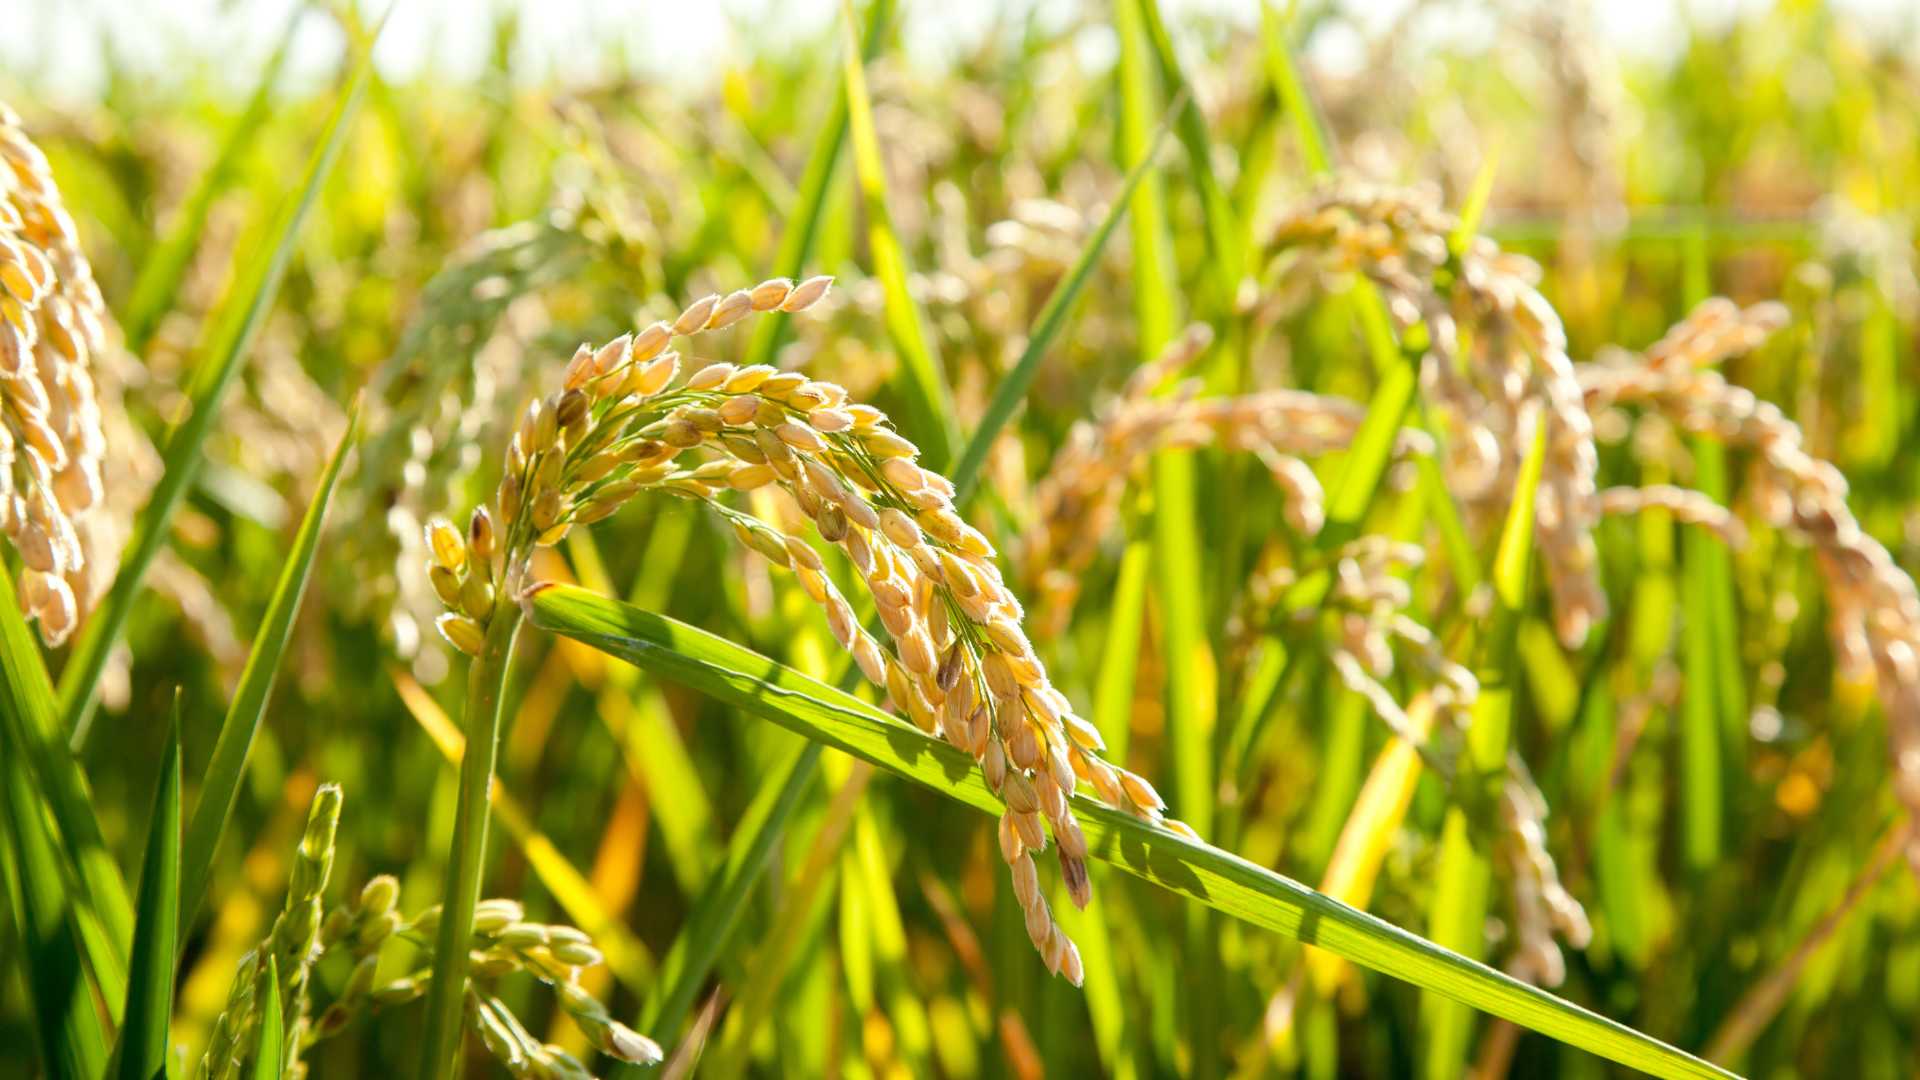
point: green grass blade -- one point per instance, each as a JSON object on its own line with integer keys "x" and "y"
{"x": 1475, "y": 207}
{"x": 762, "y": 687}
{"x": 887, "y": 933}
{"x": 1046, "y": 326}
{"x": 220, "y": 787}
{"x": 143, "y": 1036}
{"x": 1176, "y": 549}
{"x": 88, "y": 872}
{"x": 1226, "y": 246}
{"x": 160, "y": 275}
{"x": 1120, "y": 654}
{"x": 240, "y": 320}
{"x": 930, "y": 406}
{"x": 1464, "y": 878}
{"x": 71, "y": 1037}
{"x": 690, "y": 959}
{"x": 1156, "y": 286}
{"x": 1309, "y": 133}
{"x": 271, "y": 1053}
{"x": 803, "y": 900}
{"x": 1712, "y": 715}
{"x": 797, "y": 240}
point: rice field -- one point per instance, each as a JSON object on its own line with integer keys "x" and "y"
{"x": 1284, "y": 540}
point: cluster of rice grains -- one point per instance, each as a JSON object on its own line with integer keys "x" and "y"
{"x": 52, "y": 325}
{"x": 504, "y": 943}
{"x": 1875, "y": 608}
{"x": 1077, "y": 502}
{"x": 1497, "y": 355}
{"x": 959, "y": 663}
{"x": 1497, "y": 361}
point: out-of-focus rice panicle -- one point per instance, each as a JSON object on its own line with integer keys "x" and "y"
{"x": 1493, "y": 345}
{"x": 1876, "y": 609}
{"x": 1077, "y": 502}
{"x": 53, "y": 324}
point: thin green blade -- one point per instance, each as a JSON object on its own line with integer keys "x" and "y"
{"x": 161, "y": 274}
{"x": 1053, "y": 316}
{"x": 71, "y": 1037}
{"x": 240, "y": 320}
{"x": 271, "y": 1053}
{"x": 929, "y": 404}
{"x": 797, "y": 240}
{"x": 1464, "y": 878}
{"x": 49, "y": 777}
{"x": 690, "y": 959}
{"x": 1226, "y": 247}
{"x": 143, "y": 1037}
{"x": 221, "y": 785}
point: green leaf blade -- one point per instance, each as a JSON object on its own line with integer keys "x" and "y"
{"x": 762, "y": 687}
{"x": 220, "y": 787}
{"x": 271, "y": 1055}
{"x": 1047, "y": 326}
{"x": 925, "y": 383}
{"x": 50, "y": 779}
{"x": 143, "y": 1035}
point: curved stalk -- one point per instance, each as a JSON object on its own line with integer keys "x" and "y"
{"x": 486, "y": 686}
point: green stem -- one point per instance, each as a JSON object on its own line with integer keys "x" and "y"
{"x": 486, "y": 686}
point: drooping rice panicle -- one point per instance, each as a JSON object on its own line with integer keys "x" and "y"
{"x": 1495, "y": 343}
{"x": 1876, "y": 609}
{"x": 958, "y": 662}
{"x": 1077, "y": 502}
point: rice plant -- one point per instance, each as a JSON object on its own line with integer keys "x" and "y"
{"x": 1288, "y": 541}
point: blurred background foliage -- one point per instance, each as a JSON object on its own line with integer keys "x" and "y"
{"x": 479, "y": 228}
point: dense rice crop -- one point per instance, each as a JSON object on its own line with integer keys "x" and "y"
{"x": 1360, "y": 548}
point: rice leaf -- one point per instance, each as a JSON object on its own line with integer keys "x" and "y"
{"x": 84, "y": 870}
{"x": 1309, "y": 131}
{"x": 885, "y": 929}
{"x": 762, "y": 687}
{"x": 1368, "y": 833}
{"x": 220, "y": 786}
{"x": 1226, "y": 246}
{"x": 1046, "y": 326}
{"x": 1177, "y": 550}
{"x": 1713, "y": 712}
{"x": 802, "y": 906}
{"x": 690, "y": 959}
{"x": 239, "y": 320}
{"x": 929, "y": 404}
{"x": 142, "y": 1054}
{"x": 271, "y": 1052}
{"x": 797, "y": 239}
{"x": 157, "y": 286}
{"x": 47, "y": 951}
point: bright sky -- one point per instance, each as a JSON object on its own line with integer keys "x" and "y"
{"x": 55, "y": 45}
